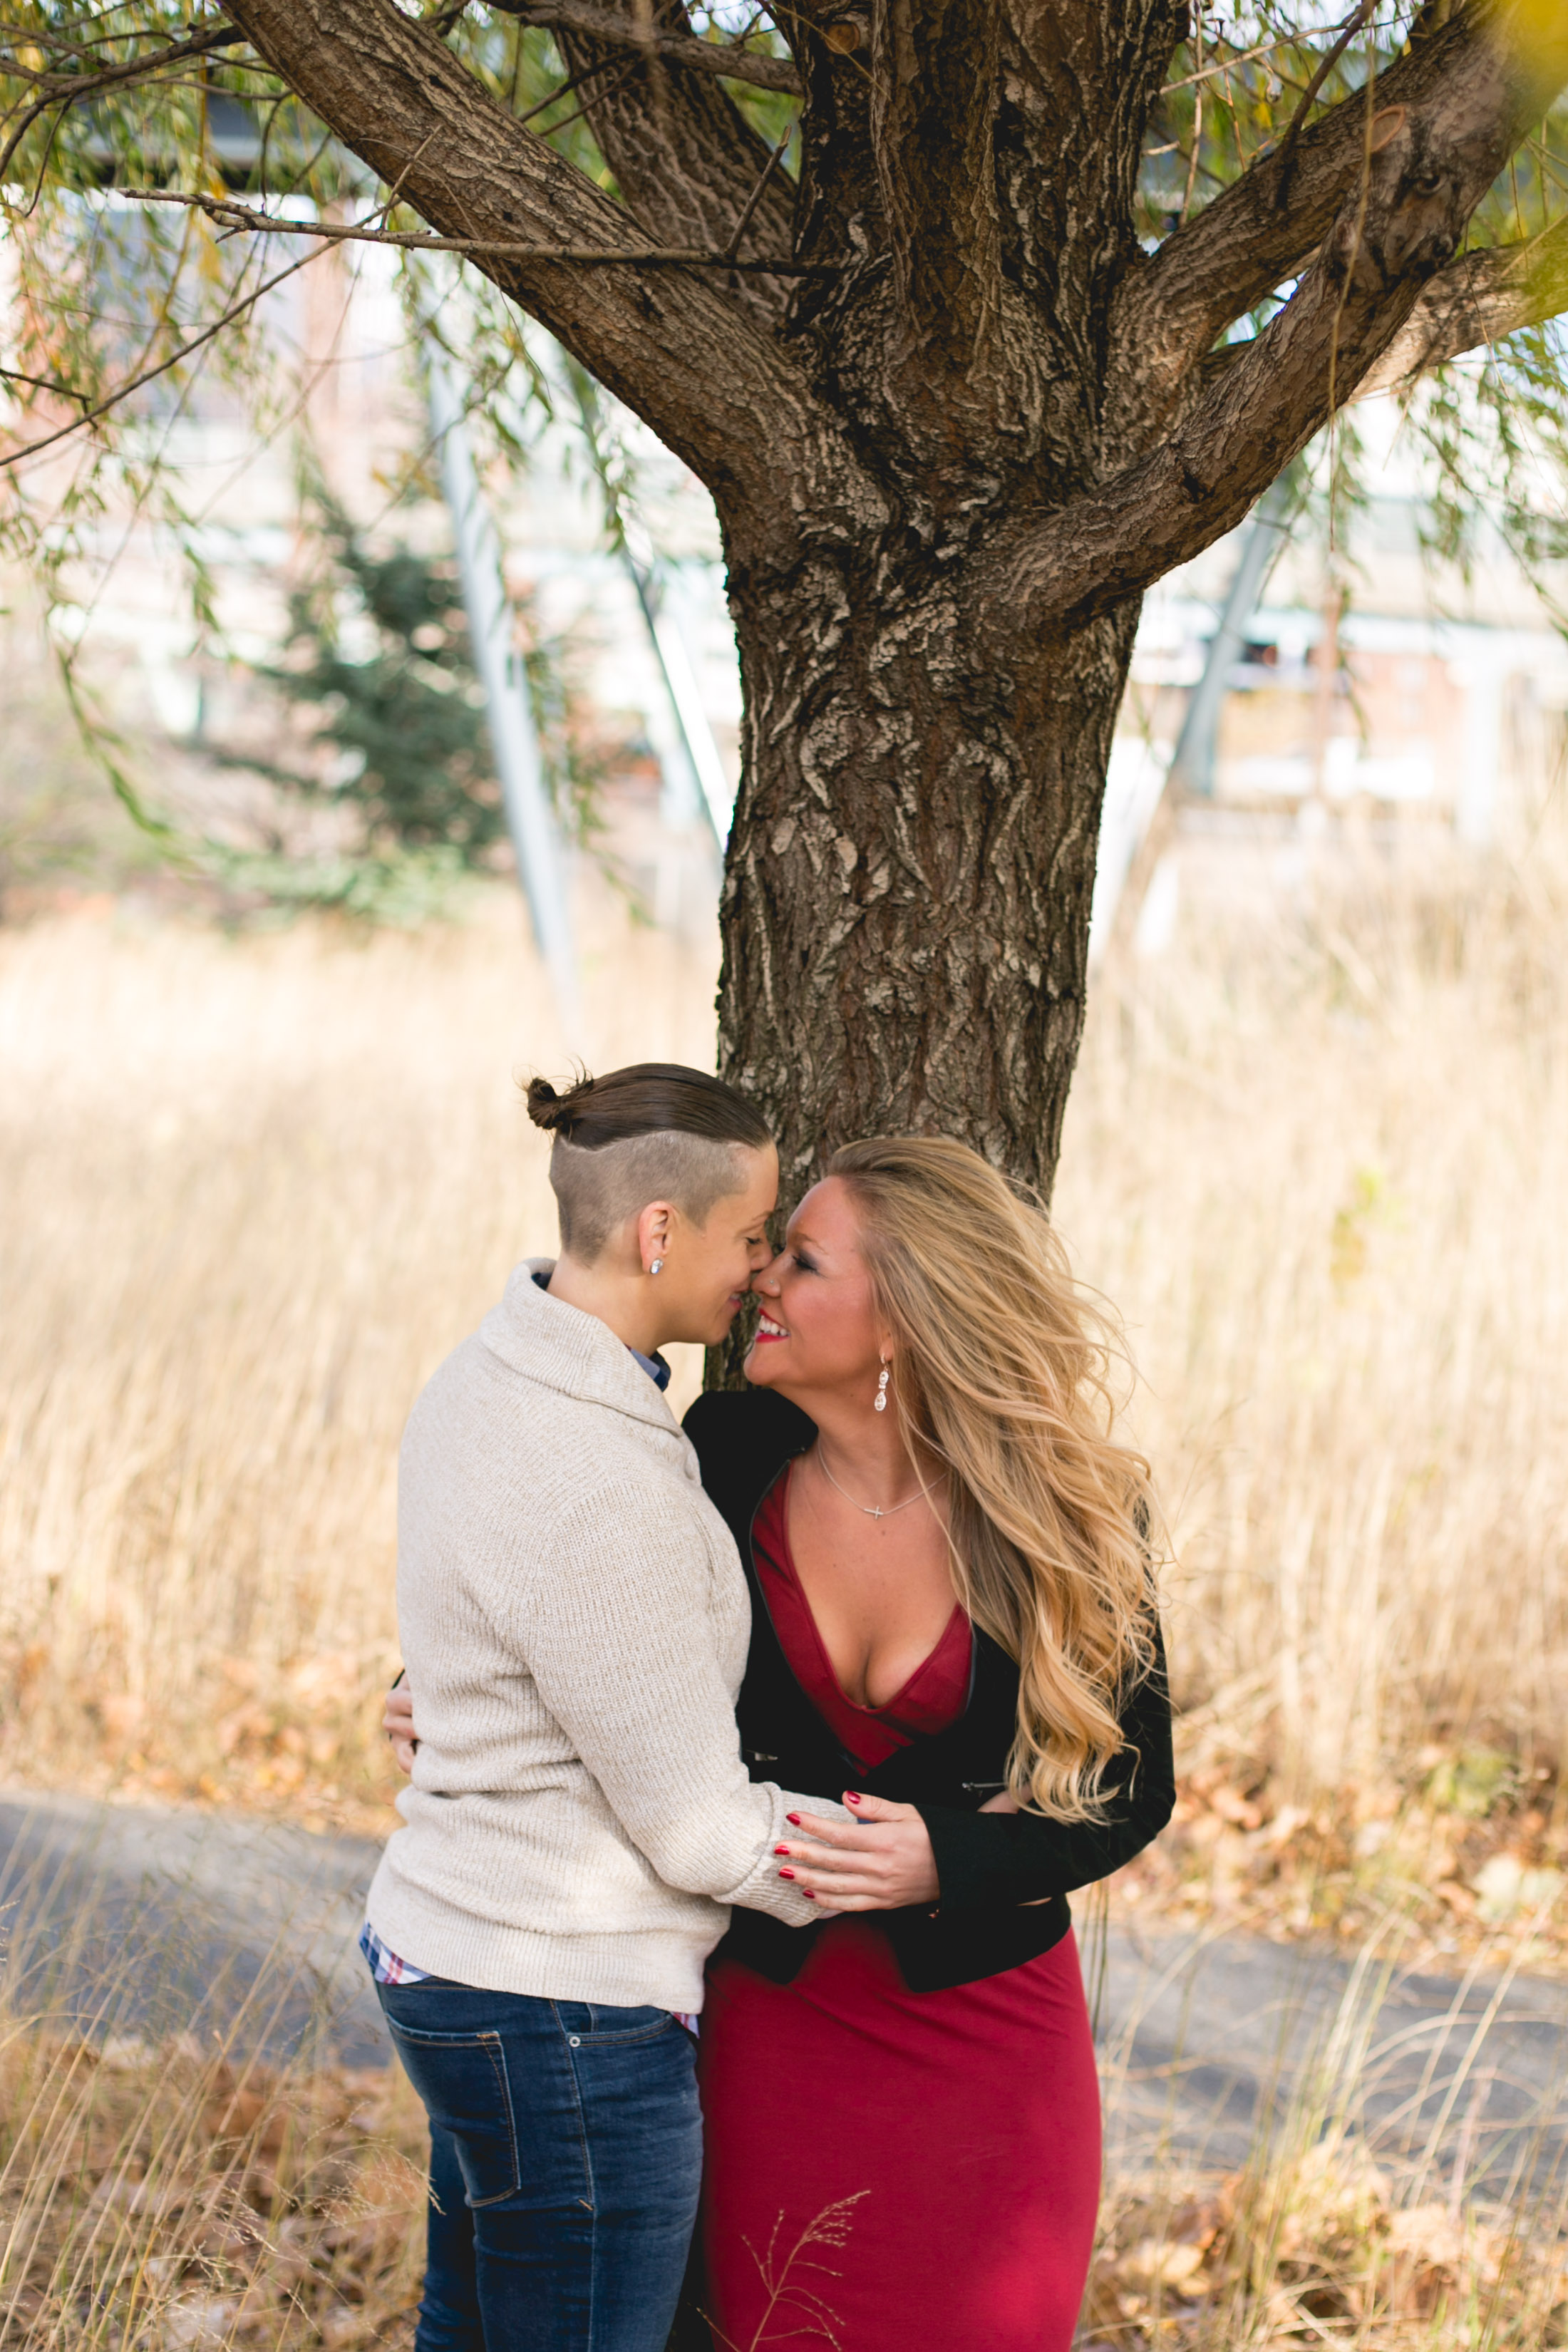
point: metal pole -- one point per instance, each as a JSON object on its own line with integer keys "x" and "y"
{"x": 1192, "y": 764}
{"x": 680, "y": 685}
{"x": 1475, "y": 810}
{"x": 694, "y": 735}
{"x": 508, "y": 705}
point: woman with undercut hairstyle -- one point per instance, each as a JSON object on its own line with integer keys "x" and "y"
{"x": 574, "y": 1623}
{"x": 952, "y": 1619}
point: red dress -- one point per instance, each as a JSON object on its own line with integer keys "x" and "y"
{"x": 890, "y": 2171}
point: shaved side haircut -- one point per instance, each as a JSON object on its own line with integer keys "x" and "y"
{"x": 654, "y": 1131}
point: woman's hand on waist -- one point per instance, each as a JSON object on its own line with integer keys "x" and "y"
{"x": 881, "y": 1860}
{"x": 398, "y": 1722}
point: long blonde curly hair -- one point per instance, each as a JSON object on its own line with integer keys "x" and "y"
{"x": 1002, "y": 1377}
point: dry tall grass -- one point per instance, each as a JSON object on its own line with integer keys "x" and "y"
{"x": 1319, "y": 1157}
{"x": 172, "y": 2197}
{"x": 180, "y": 2194}
{"x": 163, "y": 2187}
{"x": 255, "y": 1185}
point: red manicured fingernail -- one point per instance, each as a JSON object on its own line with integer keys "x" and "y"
{"x": 781, "y": 1849}
{"x": 852, "y": 1799}
{"x": 808, "y": 1894}
{"x": 786, "y": 1873}
{"x": 794, "y": 1820}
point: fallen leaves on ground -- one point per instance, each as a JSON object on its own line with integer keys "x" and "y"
{"x": 1470, "y": 1850}
{"x": 168, "y": 2198}
{"x": 1316, "y": 2249}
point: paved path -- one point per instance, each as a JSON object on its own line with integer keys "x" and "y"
{"x": 143, "y": 1919}
{"x": 148, "y": 1919}
{"x": 1207, "y": 2041}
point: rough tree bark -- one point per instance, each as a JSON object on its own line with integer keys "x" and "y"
{"x": 948, "y": 462}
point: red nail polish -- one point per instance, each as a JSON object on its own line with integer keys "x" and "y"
{"x": 781, "y": 1849}
{"x": 794, "y": 1820}
{"x": 808, "y": 1894}
{"x": 853, "y": 1797}
{"x": 786, "y": 1873}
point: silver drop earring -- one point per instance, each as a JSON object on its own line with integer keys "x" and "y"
{"x": 881, "y": 1400}
{"x": 657, "y": 1266}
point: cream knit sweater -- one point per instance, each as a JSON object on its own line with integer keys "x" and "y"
{"x": 574, "y": 1623}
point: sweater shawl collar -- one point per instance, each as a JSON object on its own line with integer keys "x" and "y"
{"x": 562, "y": 1347}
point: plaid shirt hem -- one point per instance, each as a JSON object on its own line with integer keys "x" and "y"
{"x": 387, "y": 1968}
{"x": 384, "y": 1966}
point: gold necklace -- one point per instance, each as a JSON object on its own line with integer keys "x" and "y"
{"x": 872, "y": 1510}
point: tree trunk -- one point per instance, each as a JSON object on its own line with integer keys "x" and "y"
{"x": 906, "y": 904}
{"x": 954, "y": 424}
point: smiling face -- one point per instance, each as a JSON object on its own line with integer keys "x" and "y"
{"x": 819, "y": 1333}
{"x": 708, "y": 1267}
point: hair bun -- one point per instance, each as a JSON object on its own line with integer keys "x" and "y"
{"x": 558, "y": 1114}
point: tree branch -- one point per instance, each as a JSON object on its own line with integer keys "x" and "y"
{"x": 1423, "y": 177}
{"x": 1077, "y": 85}
{"x": 1476, "y": 301}
{"x": 1234, "y": 253}
{"x": 675, "y": 348}
{"x": 1293, "y": 128}
{"x": 763, "y": 181}
{"x": 234, "y": 218}
{"x": 838, "y": 208}
{"x": 934, "y": 104}
{"x": 684, "y": 158}
{"x": 63, "y": 89}
{"x": 724, "y": 61}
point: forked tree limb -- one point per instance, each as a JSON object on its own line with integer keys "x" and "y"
{"x": 1422, "y": 178}
{"x": 1239, "y": 248}
{"x": 1474, "y": 302}
{"x": 1078, "y": 83}
{"x": 1355, "y": 24}
{"x": 680, "y": 354}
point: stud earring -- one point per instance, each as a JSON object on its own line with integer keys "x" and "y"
{"x": 881, "y": 1400}
{"x": 657, "y": 1266}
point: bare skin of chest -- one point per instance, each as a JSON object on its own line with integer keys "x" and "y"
{"x": 880, "y": 1590}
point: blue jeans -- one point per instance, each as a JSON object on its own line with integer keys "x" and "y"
{"x": 565, "y": 2160}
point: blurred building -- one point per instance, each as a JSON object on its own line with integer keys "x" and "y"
{"x": 1434, "y": 698}
{"x": 1385, "y": 677}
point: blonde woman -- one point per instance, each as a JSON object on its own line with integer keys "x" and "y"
{"x": 951, "y": 1610}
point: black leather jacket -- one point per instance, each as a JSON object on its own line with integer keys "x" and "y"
{"x": 1004, "y": 1877}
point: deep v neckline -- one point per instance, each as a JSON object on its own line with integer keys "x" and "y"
{"x": 931, "y": 1698}
{"x": 887, "y": 1707}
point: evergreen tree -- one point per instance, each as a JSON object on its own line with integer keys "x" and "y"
{"x": 407, "y": 716}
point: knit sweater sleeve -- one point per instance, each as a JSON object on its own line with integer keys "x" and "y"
{"x": 623, "y": 1649}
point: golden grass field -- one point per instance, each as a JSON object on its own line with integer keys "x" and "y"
{"x": 257, "y": 1186}
{"x": 256, "y": 1182}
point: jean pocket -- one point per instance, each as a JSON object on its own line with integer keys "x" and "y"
{"x": 463, "y": 2083}
{"x": 593, "y": 2025}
